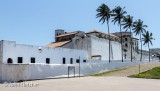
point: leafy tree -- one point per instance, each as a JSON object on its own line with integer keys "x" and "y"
{"x": 118, "y": 15}
{"x": 104, "y": 13}
{"x": 147, "y": 38}
{"x": 139, "y": 28}
{"x": 128, "y": 24}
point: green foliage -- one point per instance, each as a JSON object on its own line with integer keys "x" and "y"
{"x": 118, "y": 14}
{"x": 127, "y": 22}
{"x": 138, "y": 27}
{"x": 147, "y": 38}
{"x": 151, "y": 74}
{"x": 105, "y": 73}
{"x": 103, "y": 12}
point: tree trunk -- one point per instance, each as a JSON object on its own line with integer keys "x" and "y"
{"x": 149, "y": 52}
{"x": 109, "y": 42}
{"x": 121, "y": 41}
{"x": 131, "y": 43}
{"x": 141, "y": 47}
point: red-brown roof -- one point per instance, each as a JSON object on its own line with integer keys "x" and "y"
{"x": 95, "y": 31}
{"x": 71, "y": 33}
{"x": 58, "y": 44}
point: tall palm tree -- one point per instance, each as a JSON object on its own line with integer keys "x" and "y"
{"x": 139, "y": 28}
{"x": 128, "y": 24}
{"x": 104, "y": 13}
{"x": 118, "y": 14}
{"x": 147, "y": 38}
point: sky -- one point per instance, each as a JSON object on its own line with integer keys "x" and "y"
{"x": 34, "y": 21}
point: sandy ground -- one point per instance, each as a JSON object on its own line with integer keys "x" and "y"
{"x": 90, "y": 84}
{"x": 112, "y": 82}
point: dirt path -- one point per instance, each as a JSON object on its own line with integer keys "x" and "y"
{"x": 89, "y": 84}
{"x": 133, "y": 70}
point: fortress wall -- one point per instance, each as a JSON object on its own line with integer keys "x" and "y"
{"x": 13, "y": 72}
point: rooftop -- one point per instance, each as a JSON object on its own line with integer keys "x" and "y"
{"x": 58, "y": 44}
{"x": 71, "y": 33}
{"x": 95, "y": 31}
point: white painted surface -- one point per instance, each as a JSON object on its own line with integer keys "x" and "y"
{"x": 100, "y": 46}
{"x": 13, "y": 72}
{"x": 0, "y": 72}
{"x": 117, "y": 52}
{"x": 56, "y": 55}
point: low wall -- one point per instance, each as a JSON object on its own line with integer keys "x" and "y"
{"x": 0, "y": 72}
{"x": 17, "y": 72}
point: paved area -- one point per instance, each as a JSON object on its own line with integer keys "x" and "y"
{"x": 89, "y": 84}
{"x": 133, "y": 70}
{"x": 116, "y": 81}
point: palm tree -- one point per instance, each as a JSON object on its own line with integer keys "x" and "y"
{"x": 128, "y": 24}
{"x": 147, "y": 38}
{"x": 139, "y": 28}
{"x": 104, "y": 13}
{"x": 118, "y": 14}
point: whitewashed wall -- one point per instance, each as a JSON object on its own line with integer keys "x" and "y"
{"x": 100, "y": 46}
{"x": 0, "y": 72}
{"x": 16, "y": 72}
{"x": 13, "y": 50}
{"x": 117, "y": 52}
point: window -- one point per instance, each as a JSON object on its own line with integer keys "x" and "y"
{"x": 9, "y": 60}
{"x": 125, "y": 50}
{"x": 20, "y": 59}
{"x": 126, "y": 39}
{"x": 126, "y": 45}
{"x": 71, "y": 61}
{"x": 47, "y": 60}
{"x": 77, "y": 61}
{"x": 32, "y": 60}
{"x": 84, "y": 61}
{"x": 64, "y": 60}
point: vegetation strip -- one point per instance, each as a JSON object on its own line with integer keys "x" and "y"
{"x": 150, "y": 74}
{"x": 105, "y": 73}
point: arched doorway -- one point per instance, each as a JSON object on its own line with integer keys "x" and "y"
{"x": 9, "y": 60}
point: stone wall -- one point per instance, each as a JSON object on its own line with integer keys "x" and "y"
{"x": 13, "y": 72}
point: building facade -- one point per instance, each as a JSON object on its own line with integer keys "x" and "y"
{"x": 126, "y": 44}
{"x": 94, "y": 42}
{"x": 13, "y": 53}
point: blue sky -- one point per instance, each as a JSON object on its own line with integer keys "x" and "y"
{"x": 34, "y": 21}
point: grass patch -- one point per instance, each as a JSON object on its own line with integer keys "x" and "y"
{"x": 150, "y": 74}
{"x": 108, "y": 72}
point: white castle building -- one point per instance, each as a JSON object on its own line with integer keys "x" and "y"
{"x": 13, "y": 53}
{"x": 94, "y": 42}
{"x": 87, "y": 53}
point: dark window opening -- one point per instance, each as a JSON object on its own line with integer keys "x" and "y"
{"x": 71, "y": 61}
{"x": 32, "y": 60}
{"x": 126, "y": 39}
{"x": 9, "y": 60}
{"x": 64, "y": 61}
{"x": 84, "y": 61}
{"x": 126, "y": 45}
{"x": 47, "y": 60}
{"x": 20, "y": 59}
{"x": 77, "y": 61}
